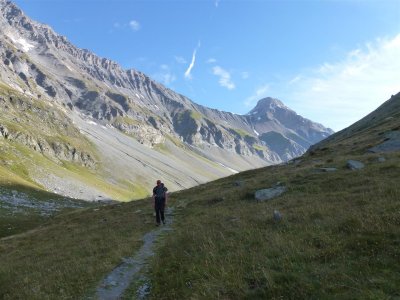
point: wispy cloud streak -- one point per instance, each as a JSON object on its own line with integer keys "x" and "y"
{"x": 224, "y": 77}
{"x": 188, "y": 74}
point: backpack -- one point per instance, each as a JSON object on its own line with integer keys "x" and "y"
{"x": 159, "y": 191}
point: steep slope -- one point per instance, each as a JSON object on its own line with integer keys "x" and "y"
{"x": 381, "y": 127}
{"x": 199, "y": 143}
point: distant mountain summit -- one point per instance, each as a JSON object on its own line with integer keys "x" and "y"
{"x": 99, "y": 97}
{"x": 267, "y": 104}
{"x": 283, "y": 130}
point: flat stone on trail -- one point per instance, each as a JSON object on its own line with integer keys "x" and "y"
{"x": 267, "y": 194}
{"x": 355, "y": 164}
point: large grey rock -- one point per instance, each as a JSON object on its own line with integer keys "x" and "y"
{"x": 391, "y": 144}
{"x": 267, "y": 194}
{"x": 355, "y": 165}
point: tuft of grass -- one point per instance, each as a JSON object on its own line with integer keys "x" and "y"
{"x": 196, "y": 115}
{"x": 259, "y": 147}
{"x": 240, "y": 132}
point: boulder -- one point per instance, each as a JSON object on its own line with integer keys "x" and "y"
{"x": 354, "y": 164}
{"x": 267, "y": 194}
{"x": 391, "y": 144}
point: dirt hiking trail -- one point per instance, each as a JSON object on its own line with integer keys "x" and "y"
{"x": 115, "y": 283}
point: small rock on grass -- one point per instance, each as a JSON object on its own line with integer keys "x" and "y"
{"x": 355, "y": 164}
{"x": 277, "y": 216}
{"x": 267, "y": 194}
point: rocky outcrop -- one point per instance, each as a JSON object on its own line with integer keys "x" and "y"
{"x": 390, "y": 144}
{"x": 3, "y": 131}
{"x": 54, "y": 149}
{"x": 146, "y": 135}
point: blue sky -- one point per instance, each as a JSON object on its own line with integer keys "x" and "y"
{"x": 330, "y": 61}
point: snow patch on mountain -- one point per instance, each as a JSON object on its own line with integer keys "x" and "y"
{"x": 25, "y": 46}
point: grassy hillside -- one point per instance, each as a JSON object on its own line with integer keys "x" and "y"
{"x": 339, "y": 236}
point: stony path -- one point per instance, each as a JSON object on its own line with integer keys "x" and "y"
{"x": 115, "y": 283}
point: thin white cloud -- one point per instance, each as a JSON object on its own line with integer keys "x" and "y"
{"x": 245, "y": 75}
{"x": 294, "y": 80}
{"x": 216, "y": 3}
{"x": 259, "y": 93}
{"x": 180, "y": 60}
{"x": 188, "y": 74}
{"x": 165, "y": 75}
{"x": 211, "y": 61}
{"x": 224, "y": 77}
{"x": 134, "y": 25}
{"x": 338, "y": 94}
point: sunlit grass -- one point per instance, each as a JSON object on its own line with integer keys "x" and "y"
{"x": 337, "y": 237}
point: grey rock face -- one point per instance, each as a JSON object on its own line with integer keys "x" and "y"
{"x": 267, "y": 194}
{"x": 391, "y": 144}
{"x": 355, "y": 165}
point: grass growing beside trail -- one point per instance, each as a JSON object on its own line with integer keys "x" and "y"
{"x": 340, "y": 235}
{"x": 66, "y": 257}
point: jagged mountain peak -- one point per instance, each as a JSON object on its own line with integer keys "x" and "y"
{"x": 268, "y": 104}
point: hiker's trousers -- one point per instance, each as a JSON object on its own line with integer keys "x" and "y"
{"x": 159, "y": 208}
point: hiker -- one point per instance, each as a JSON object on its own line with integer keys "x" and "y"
{"x": 160, "y": 199}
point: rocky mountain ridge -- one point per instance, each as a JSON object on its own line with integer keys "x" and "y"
{"x": 40, "y": 64}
